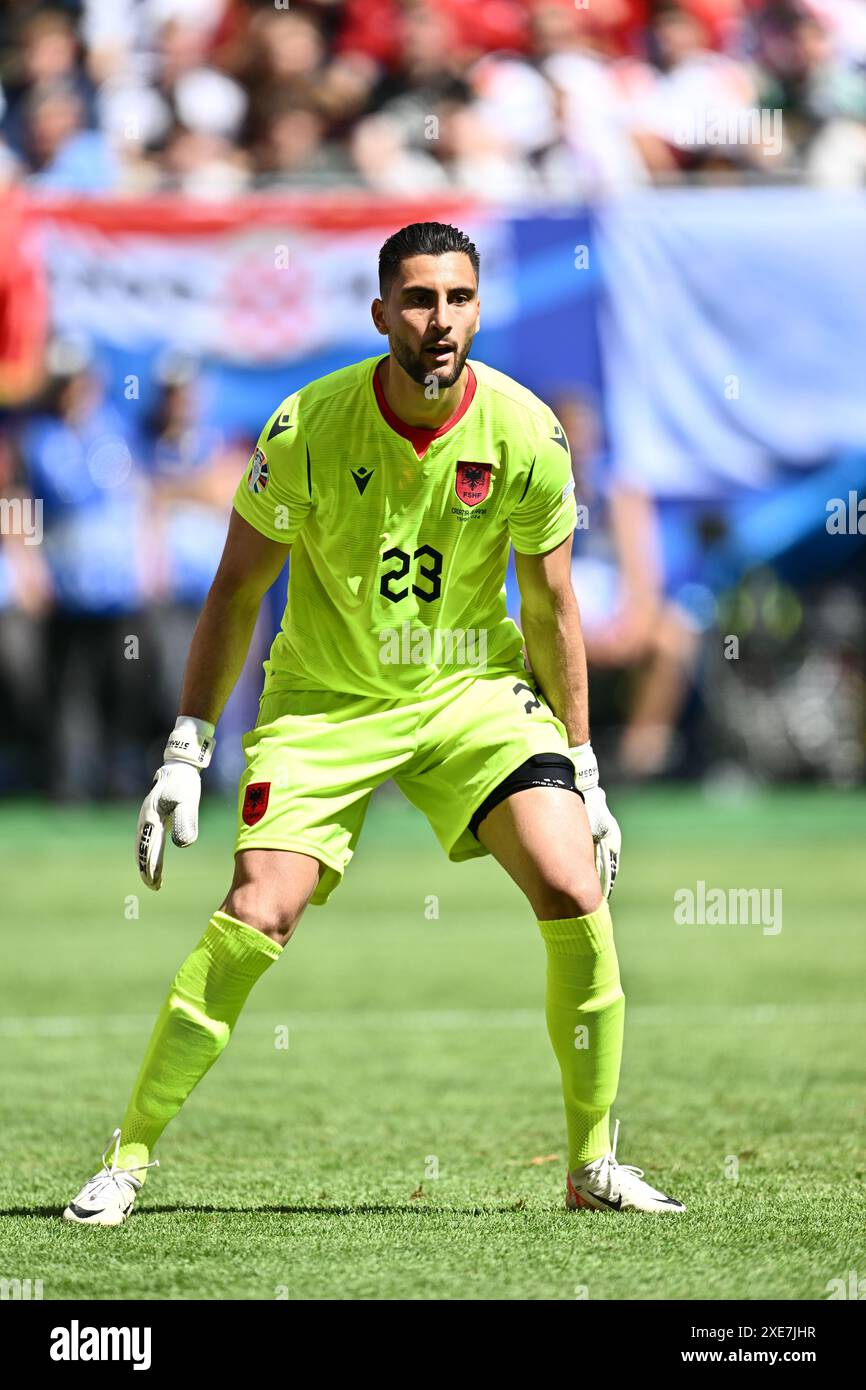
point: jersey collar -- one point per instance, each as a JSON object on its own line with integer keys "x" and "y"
{"x": 419, "y": 436}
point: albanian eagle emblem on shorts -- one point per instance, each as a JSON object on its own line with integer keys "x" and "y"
{"x": 255, "y": 802}
{"x": 472, "y": 483}
{"x": 258, "y": 479}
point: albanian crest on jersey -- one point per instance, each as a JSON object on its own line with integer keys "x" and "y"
{"x": 258, "y": 479}
{"x": 472, "y": 482}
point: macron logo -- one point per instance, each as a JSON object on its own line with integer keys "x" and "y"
{"x": 76, "y": 1343}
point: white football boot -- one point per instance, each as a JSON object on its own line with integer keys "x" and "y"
{"x": 106, "y": 1200}
{"x": 605, "y": 1185}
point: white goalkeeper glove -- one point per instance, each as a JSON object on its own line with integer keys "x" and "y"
{"x": 174, "y": 796}
{"x": 605, "y": 830}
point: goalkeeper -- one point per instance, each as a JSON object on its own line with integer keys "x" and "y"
{"x": 399, "y": 484}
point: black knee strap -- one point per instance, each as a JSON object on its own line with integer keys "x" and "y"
{"x": 541, "y": 770}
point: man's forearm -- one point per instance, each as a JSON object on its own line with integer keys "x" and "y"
{"x": 554, "y": 645}
{"x": 217, "y": 652}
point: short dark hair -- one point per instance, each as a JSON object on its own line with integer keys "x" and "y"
{"x": 422, "y": 239}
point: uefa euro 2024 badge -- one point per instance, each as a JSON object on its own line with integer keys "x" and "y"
{"x": 258, "y": 479}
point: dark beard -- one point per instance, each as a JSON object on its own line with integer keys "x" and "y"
{"x": 413, "y": 365}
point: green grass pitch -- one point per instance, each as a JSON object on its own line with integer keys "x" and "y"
{"x": 392, "y": 1150}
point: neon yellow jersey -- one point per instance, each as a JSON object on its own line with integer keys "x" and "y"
{"x": 397, "y": 571}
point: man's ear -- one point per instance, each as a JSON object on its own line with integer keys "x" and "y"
{"x": 377, "y": 313}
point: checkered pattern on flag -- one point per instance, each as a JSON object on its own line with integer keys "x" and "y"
{"x": 261, "y": 280}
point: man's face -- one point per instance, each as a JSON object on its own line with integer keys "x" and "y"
{"x": 430, "y": 315}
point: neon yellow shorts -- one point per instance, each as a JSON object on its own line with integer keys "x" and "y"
{"x": 314, "y": 759}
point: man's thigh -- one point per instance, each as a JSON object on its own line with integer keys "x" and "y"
{"x": 470, "y": 743}
{"x": 313, "y": 761}
{"x": 542, "y": 839}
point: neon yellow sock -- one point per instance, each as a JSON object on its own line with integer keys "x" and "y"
{"x": 194, "y": 1025}
{"x": 585, "y": 1008}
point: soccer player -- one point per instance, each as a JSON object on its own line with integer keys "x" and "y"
{"x": 399, "y": 484}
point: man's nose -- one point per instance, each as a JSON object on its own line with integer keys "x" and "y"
{"x": 441, "y": 315}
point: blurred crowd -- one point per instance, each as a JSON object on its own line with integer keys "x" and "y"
{"x": 506, "y": 98}
{"x": 118, "y": 526}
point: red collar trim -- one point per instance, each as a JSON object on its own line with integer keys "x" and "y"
{"x": 419, "y": 436}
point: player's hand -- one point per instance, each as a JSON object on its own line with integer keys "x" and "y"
{"x": 174, "y": 797}
{"x": 606, "y": 833}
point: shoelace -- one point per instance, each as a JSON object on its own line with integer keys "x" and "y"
{"x": 611, "y": 1168}
{"x": 113, "y": 1173}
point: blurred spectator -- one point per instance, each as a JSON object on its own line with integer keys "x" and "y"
{"x": 193, "y": 473}
{"x": 481, "y": 158}
{"x": 414, "y": 98}
{"x": 199, "y": 164}
{"x": 630, "y": 623}
{"x": 592, "y": 112}
{"x": 190, "y": 115}
{"x": 46, "y": 56}
{"x": 792, "y": 705}
{"x": 514, "y": 98}
{"x": 293, "y": 151}
{"x": 387, "y": 164}
{"x": 25, "y": 594}
{"x": 121, "y": 36}
{"x": 64, "y": 156}
{"x": 694, "y": 107}
{"x": 287, "y": 52}
{"x": 373, "y": 27}
{"x": 427, "y": 72}
{"x": 95, "y": 547}
{"x": 831, "y": 96}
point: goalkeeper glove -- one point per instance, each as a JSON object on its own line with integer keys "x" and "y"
{"x": 174, "y": 796}
{"x": 605, "y": 830}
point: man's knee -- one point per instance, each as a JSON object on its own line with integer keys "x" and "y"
{"x": 572, "y": 893}
{"x": 259, "y": 907}
{"x": 270, "y": 890}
